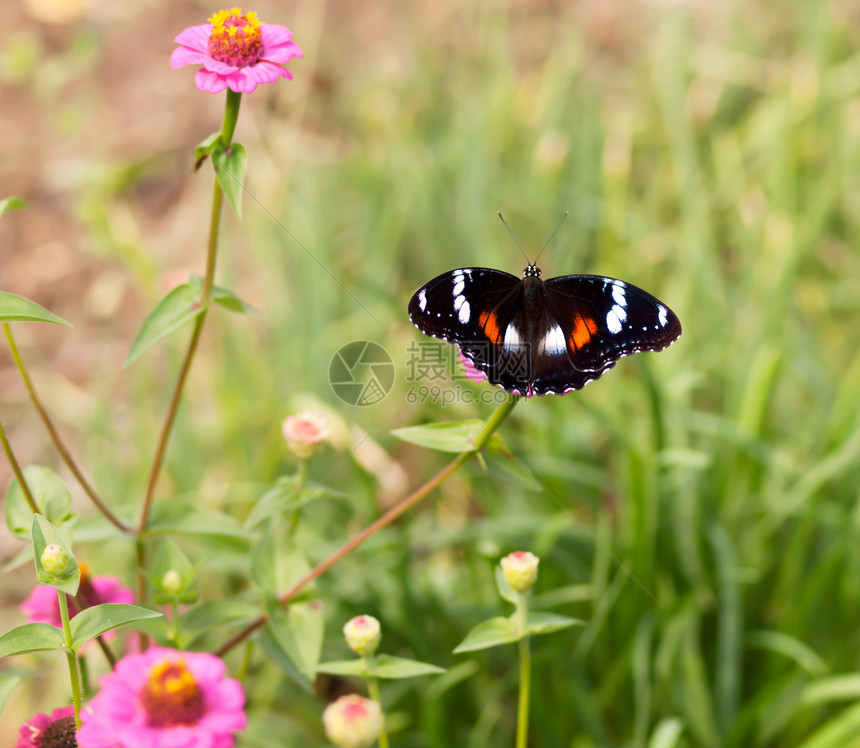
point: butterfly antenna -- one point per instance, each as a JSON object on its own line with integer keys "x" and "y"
{"x": 563, "y": 218}
{"x": 516, "y": 241}
{"x": 609, "y": 194}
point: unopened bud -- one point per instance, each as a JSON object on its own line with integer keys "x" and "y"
{"x": 55, "y": 559}
{"x": 171, "y": 582}
{"x": 363, "y": 634}
{"x": 520, "y": 570}
{"x": 352, "y": 721}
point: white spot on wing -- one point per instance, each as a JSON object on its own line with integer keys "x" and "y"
{"x": 613, "y": 321}
{"x": 458, "y": 302}
{"x": 459, "y": 286}
{"x": 618, "y": 313}
{"x": 512, "y": 338}
{"x": 465, "y": 311}
{"x": 663, "y": 316}
{"x": 422, "y": 300}
{"x": 554, "y": 343}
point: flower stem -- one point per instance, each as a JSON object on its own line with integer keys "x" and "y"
{"x": 490, "y": 427}
{"x": 231, "y": 114}
{"x": 70, "y": 656}
{"x": 16, "y": 468}
{"x": 62, "y": 449}
{"x": 525, "y": 672}
{"x": 373, "y": 690}
{"x": 301, "y": 480}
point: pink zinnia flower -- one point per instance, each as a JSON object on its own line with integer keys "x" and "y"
{"x": 44, "y": 731}
{"x": 43, "y": 606}
{"x": 165, "y": 698}
{"x": 304, "y": 433}
{"x": 236, "y": 50}
{"x": 471, "y": 372}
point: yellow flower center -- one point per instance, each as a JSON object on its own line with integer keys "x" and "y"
{"x": 171, "y": 696}
{"x": 235, "y": 38}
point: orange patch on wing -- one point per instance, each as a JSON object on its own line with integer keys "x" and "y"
{"x": 583, "y": 329}
{"x": 487, "y": 320}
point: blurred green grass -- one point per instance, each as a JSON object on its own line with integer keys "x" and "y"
{"x": 722, "y": 473}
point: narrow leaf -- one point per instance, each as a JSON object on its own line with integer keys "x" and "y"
{"x": 204, "y": 149}
{"x": 91, "y": 622}
{"x": 14, "y": 308}
{"x": 452, "y": 436}
{"x": 31, "y": 637}
{"x": 50, "y": 493}
{"x": 11, "y": 203}
{"x": 788, "y": 646}
{"x": 491, "y": 633}
{"x": 230, "y": 301}
{"x": 7, "y": 683}
{"x": 667, "y": 733}
{"x": 176, "y": 517}
{"x": 546, "y": 623}
{"x": 230, "y": 171}
{"x": 176, "y": 309}
{"x": 344, "y": 667}
{"x": 396, "y": 668}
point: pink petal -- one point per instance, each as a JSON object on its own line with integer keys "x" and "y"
{"x": 266, "y": 72}
{"x": 240, "y": 81}
{"x": 272, "y": 35}
{"x": 186, "y": 56}
{"x": 195, "y": 37}
{"x": 216, "y": 66}
{"x": 210, "y": 82}
{"x": 282, "y": 52}
{"x": 471, "y": 371}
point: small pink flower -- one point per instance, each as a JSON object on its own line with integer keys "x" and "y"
{"x": 471, "y": 372}
{"x": 43, "y": 606}
{"x": 304, "y": 433}
{"x": 45, "y": 730}
{"x": 165, "y": 698}
{"x": 236, "y": 50}
{"x": 363, "y": 634}
{"x": 520, "y": 570}
{"x": 352, "y": 721}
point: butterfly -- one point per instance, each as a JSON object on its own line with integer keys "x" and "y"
{"x": 534, "y": 336}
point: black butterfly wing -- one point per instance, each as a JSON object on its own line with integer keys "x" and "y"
{"x": 597, "y": 320}
{"x": 472, "y": 307}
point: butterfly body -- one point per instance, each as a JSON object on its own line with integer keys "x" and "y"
{"x": 533, "y": 336}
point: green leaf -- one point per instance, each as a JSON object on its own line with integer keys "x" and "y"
{"x": 835, "y": 688}
{"x": 174, "y": 517}
{"x": 667, "y": 733}
{"x": 788, "y": 646}
{"x": 91, "y": 622}
{"x": 31, "y": 637}
{"x": 230, "y": 167}
{"x": 384, "y": 666}
{"x": 7, "y": 683}
{"x": 838, "y": 731}
{"x": 396, "y": 668}
{"x": 284, "y": 498}
{"x": 11, "y": 203}
{"x": 44, "y": 534}
{"x": 204, "y": 149}
{"x": 230, "y": 301}
{"x": 275, "y": 652}
{"x": 488, "y": 634}
{"x": 50, "y": 493}
{"x": 176, "y": 309}
{"x": 299, "y": 631}
{"x": 357, "y": 668}
{"x": 505, "y": 590}
{"x": 274, "y": 573}
{"x": 14, "y": 308}
{"x": 451, "y": 436}
{"x": 546, "y": 623}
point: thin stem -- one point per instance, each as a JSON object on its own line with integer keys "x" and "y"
{"x": 61, "y": 447}
{"x": 228, "y": 126}
{"x": 174, "y": 621}
{"x": 525, "y": 673}
{"x": 16, "y": 468}
{"x": 301, "y": 480}
{"x": 373, "y": 690}
{"x": 70, "y": 656}
{"x": 490, "y": 427}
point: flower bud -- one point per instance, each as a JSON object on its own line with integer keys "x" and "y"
{"x": 520, "y": 570}
{"x": 304, "y": 433}
{"x": 171, "y": 582}
{"x": 363, "y": 634}
{"x": 55, "y": 559}
{"x": 352, "y": 721}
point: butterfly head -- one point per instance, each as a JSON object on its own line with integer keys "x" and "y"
{"x": 532, "y": 271}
